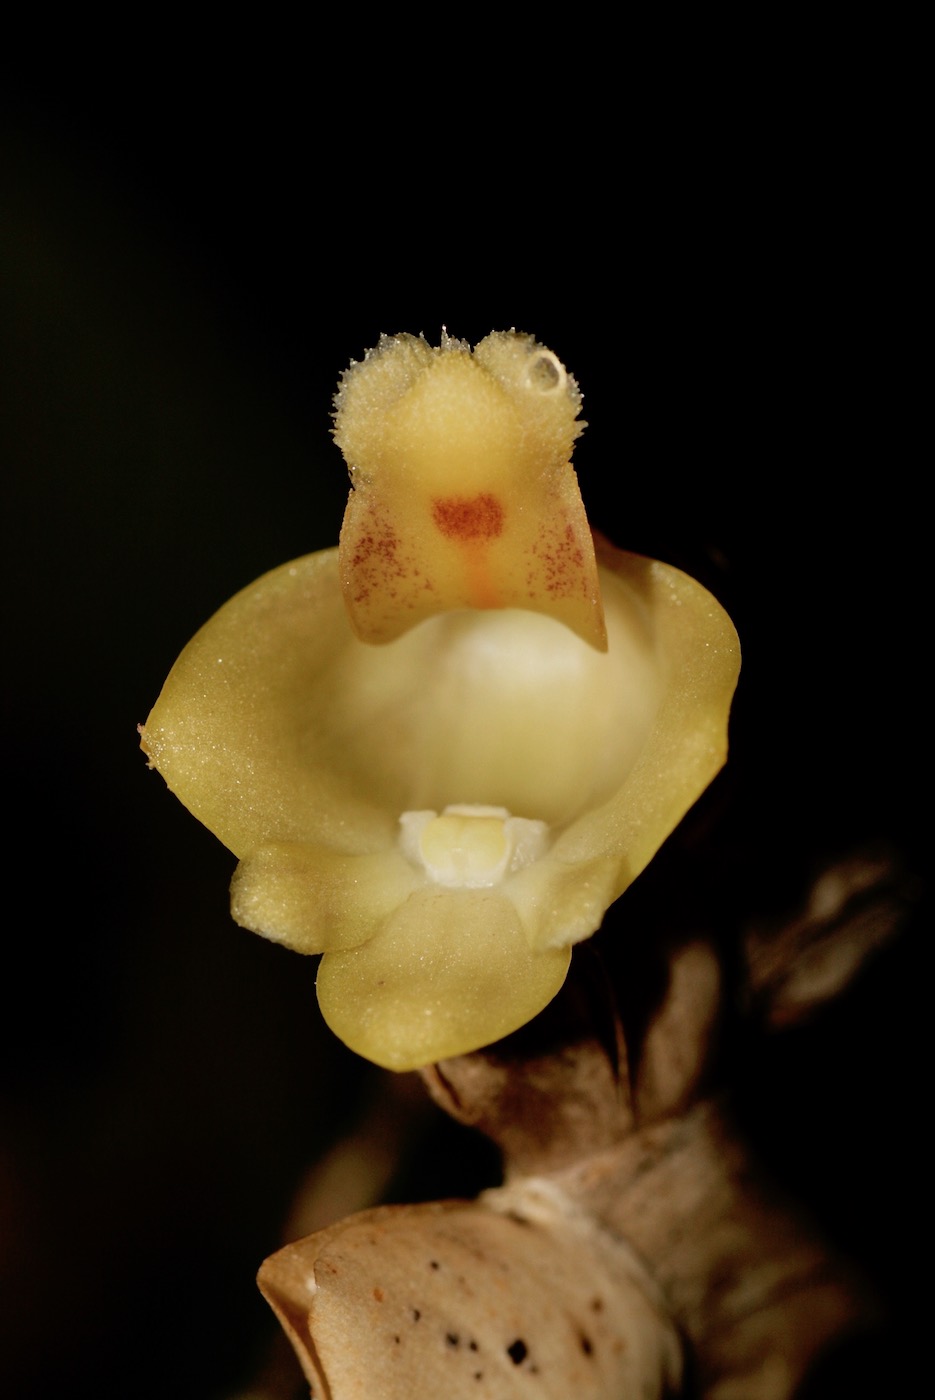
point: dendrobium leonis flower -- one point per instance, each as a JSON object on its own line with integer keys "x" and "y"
{"x": 442, "y": 750}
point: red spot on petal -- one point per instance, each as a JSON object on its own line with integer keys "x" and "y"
{"x": 468, "y": 517}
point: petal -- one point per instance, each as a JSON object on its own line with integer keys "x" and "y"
{"x": 312, "y": 899}
{"x": 249, "y": 731}
{"x": 561, "y": 902}
{"x": 450, "y": 971}
{"x": 698, "y": 656}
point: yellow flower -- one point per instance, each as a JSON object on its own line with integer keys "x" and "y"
{"x": 441, "y": 751}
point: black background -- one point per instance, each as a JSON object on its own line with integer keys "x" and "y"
{"x": 189, "y": 260}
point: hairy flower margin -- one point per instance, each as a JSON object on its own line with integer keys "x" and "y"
{"x": 428, "y": 768}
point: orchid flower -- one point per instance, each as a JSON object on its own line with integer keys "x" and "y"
{"x": 443, "y": 749}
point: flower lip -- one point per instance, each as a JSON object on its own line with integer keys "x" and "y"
{"x": 463, "y": 493}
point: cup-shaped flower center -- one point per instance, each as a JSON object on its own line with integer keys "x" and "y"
{"x": 508, "y": 709}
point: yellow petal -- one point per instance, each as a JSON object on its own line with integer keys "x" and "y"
{"x": 450, "y": 972}
{"x": 312, "y": 899}
{"x": 699, "y": 659}
{"x": 697, "y": 655}
{"x": 249, "y": 731}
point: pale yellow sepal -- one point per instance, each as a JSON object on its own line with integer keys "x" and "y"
{"x": 463, "y": 494}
